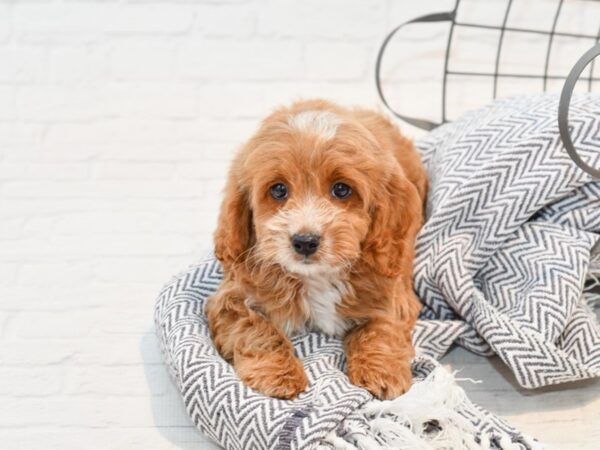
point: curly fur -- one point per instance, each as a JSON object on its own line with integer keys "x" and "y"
{"x": 357, "y": 285}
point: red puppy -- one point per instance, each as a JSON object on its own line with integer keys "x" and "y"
{"x": 317, "y": 232}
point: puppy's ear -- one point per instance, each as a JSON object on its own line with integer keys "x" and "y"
{"x": 396, "y": 217}
{"x": 234, "y": 230}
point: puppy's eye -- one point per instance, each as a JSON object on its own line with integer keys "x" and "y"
{"x": 279, "y": 191}
{"x": 341, "y": 191}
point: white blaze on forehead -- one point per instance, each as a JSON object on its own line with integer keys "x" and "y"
{"x": 323, "y": 123}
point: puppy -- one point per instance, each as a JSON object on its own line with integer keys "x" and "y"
{"x": 317, "y": 232}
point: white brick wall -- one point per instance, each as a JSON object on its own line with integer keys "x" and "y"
{"x": 117, "y": 119}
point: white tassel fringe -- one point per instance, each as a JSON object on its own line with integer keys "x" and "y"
{"x": 424, "y": 418}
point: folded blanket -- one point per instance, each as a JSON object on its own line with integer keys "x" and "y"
{"x": 502, "y": 266}
{"x": 511, "y": 238}
{"x": 332, "y": 413}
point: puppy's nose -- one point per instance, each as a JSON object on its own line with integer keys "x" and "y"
{"x": 305, "y": 244}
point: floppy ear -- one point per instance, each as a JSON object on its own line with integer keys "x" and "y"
{"x": 234, "y": 229}
{"x": 396, "y": 217}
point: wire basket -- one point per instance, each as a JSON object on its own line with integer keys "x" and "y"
{"x": 554, "y": 37}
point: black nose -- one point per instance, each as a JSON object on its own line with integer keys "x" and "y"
{"x": 305, "y": 244}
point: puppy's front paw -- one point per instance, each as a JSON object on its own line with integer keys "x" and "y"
{"x": 385, "y": 378}
{"x": 276, "y": 375}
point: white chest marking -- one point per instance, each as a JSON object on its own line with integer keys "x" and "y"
{"x": 322, "y": 293}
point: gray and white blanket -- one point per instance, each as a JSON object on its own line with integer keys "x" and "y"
{"x": 505, "y": 263}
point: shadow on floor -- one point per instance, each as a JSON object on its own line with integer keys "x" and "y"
{"x": 574, "y": 386}
{"x": 572, "y": 394}
{"x": 500, "y": 393}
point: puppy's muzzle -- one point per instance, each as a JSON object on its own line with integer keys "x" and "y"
{"x": 305, "y": 244}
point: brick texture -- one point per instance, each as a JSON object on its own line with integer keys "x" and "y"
{"x": 117, "y": 122}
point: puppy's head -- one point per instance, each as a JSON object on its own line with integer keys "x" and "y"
{"x": 313, "y": 192}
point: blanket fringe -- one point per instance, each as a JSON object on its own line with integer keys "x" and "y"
{"x": 425, "y": 418}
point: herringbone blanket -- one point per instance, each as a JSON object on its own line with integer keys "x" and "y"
{"x": 511, "y": 238}
{"x": 502, "y": 266}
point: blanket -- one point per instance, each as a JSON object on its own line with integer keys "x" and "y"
{"x": 512, "y": 237}
{"x": 506, "y": 263}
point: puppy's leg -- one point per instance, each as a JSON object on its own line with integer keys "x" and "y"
{"x": 379, "y": 354}
{"x": 262, "y": 355}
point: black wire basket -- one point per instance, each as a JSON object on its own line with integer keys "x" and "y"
{"x": 454, "y": 23}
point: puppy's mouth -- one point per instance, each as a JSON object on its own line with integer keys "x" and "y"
{"x": 304, "y": 257}
{"x": 311, "y": 265}
{"x": 304, "y": 265}
{"x": 303, "y": 268}
{"x": 307, "y": 261}
{"x": 311, "y": 260}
